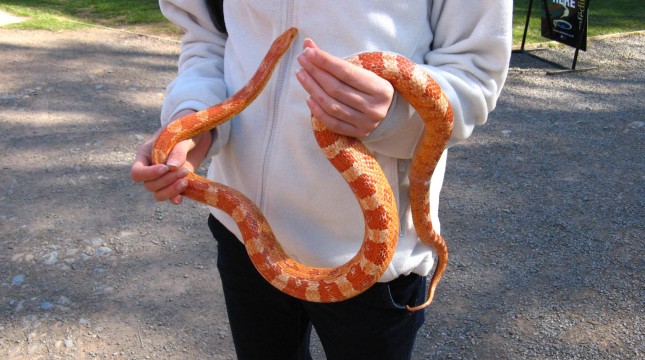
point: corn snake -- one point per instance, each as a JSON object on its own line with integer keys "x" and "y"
{"x": 357, "y": 166}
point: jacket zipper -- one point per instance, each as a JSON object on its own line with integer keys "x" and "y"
{"x": 277, "y": 99}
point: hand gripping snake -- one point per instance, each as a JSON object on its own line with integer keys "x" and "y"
{"x": 357, "y": 166}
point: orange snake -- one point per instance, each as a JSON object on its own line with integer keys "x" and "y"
{"x": 352, "y": 159}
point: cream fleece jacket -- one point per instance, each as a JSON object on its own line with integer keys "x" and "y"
{"x": 269, "y": 153}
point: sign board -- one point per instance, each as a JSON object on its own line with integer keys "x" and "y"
{"x": 565, "y": 21}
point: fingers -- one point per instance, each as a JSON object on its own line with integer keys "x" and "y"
{"x": 358, "y": 78}
{"x": 141, "y": 169}
{"x": 168, "y": 186}
{"x": 342, "y": 86}
{"x": 336, "y": 115}
{"x": 165, "y": 182}
{"x": 346, "y": 98}
{"x": 340, "y": 121}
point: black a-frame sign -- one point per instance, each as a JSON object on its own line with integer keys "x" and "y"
{"x": 564, "y": 21}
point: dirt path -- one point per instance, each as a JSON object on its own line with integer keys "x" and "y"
{"x": 543, "y": 213}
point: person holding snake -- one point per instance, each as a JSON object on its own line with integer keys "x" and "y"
{"x": 354, "y": 270}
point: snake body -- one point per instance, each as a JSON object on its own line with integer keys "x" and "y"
{"x": 357, "y": 166}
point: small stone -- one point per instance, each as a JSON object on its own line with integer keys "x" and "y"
{"x": 69, "y": 343}
{"x": 97, "y": 241}
{"x": 51, "y": 258}
{"x": 103, "y": 251}
{"x": 105, "y": 290}
{"x": 46, "y": 305}
{"x": 63, "y": 300}
{"x": 18, "y": 279}
{"x": 19, "y": 306}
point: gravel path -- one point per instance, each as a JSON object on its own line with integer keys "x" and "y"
{"x": 542, "y": 211}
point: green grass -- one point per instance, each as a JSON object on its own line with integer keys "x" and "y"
{"x": 54, "y": 14}
{"x": 605, "y": 17}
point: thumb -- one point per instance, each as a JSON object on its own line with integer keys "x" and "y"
{"x": 178, "y": 154}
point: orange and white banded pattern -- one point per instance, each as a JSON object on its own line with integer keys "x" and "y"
{"x": 357, "y": 166}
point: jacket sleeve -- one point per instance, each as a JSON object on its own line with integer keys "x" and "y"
{"x": 468, "y": 58}
{"x": 200, "y": 80}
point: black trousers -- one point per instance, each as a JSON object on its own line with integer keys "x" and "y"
{"x": 268, "y": 324}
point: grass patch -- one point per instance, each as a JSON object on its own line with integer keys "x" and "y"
{"x": 605, "y": 17}
{"x": 55, "y": 14}
{"x": 38, "y": 20}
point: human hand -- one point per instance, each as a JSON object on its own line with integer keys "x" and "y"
{"x": 166, "y": 181}
{"x": 348, "y": 99}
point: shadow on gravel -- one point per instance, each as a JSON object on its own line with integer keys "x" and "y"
{"x": 91, "y": 265}
{"x": 543, "y": 213}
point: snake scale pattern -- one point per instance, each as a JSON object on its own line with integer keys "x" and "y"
{"x": 357, "y": 166}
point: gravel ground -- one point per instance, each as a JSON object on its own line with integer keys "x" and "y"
{"x": 542, "y": 211}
